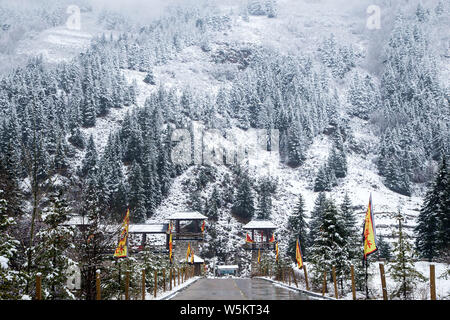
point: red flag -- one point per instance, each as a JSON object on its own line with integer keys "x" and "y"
{"x": 203, "y": 226}
{"x": 248, "y": 239}
{"x": 272, "y": 239}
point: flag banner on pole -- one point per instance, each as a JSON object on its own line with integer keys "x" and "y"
{"x": 188, "y": 252}
{"x": 169, "y": 228}
{"x": 192, "y": 257}
{"x": 170, "y": 248}
{"x": 276, "y": 252}
{"x": 272, "y": 238}
{"x": 262, "y": 236}
{"x": 298, "y": 255}
{"x": 259, "y": 256}
{"x": 203, "y": 226}
{"x": 248, "y": 239}
{"x": 122, "y": 249}
{"x": 369, "y": 236}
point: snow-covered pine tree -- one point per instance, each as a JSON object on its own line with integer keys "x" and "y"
{"x": 352, "y": 237}
{"x": 325, "y": 180}
{"x": 92, "y": 241}
{"x": 432, "y": 227}
{"x": 298, "y": 229}
{"x": 90, "y": 161}
{"x": 316, "y": 216}
{"x": 266, "y": 188}
{"x": 243, "y": 205}
{"x": 136, "y": 195}
{"x": 402, "y": 269}
{"x": 384, "y": 249}
{"x": 271, "y": 8}
{"x": 329, "y": 247}
{"x": 150, "y": 78}
{"x": 213, "y": 204}
{"x": 10, "y": 283}
{"x": 53, "y": 248}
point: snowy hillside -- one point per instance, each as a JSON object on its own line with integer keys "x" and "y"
{"x": 359, "y": 111}
{"x": 299, "y": 27}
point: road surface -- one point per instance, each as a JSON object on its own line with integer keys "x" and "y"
{"x": 237, "y": 289}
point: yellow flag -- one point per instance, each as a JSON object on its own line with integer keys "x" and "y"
{"x": 369, "y": 237}
{"x": 170, "y": 247}
{"x": 122, "y": 249}
{"x": 298, "y": 255}
{"x": 192, "y": 257}
{"x": 188, "y": 253}
{"x": 276, "y": 252}
{"x": 259, "y": 255}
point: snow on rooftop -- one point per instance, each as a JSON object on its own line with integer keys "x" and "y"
{"x": 228, "y": 267}
{"x": 260, "y": 224}
{"x": 148, "y": 228}
{"x": 187, "y": 215}
{"x": 197, "y": 259}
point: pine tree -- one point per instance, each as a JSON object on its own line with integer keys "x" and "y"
{"x": 329, "y": 248}
{"x": 213, "y": 205}
{"x": 384, "y": 249}
{"x": 325, "y": 180}
{"x": 316, "y": 216}
{"x": 244, "y": 204}
{"x": 271, "y": 8}
{"x": 295, "y": 145}
{"x": 51, "y": 252}
{"x": 90, "y": 162}
{"x": 9, "y": 279}
{"x": 150, "y": 78}
{"x": 433, "y": 221}
{"x": 297, "y": 227}
{"x": 93, "y": 241}
{"x": 266, "y": 188}
{"x": 402, "y": 269}
{"x": 353, "y": 245}
{"x": 136, "y": 195}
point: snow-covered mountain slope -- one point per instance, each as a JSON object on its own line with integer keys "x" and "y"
{"x": 299, "y": 28}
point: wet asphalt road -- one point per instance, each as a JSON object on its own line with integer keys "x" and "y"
{"x": 237, "y": 289}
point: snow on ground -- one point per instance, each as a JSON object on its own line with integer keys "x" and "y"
{"x": 300, "y": 26}
{"x": 60, "y": 43}
{"x": 4, "y": 262}
{"x": 375, "y": 291}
